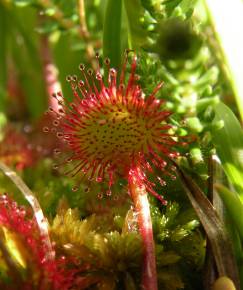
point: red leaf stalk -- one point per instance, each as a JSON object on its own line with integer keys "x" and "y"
{"x": 140, "y": 200}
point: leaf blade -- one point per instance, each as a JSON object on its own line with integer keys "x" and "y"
{"x": 228, "y": 141}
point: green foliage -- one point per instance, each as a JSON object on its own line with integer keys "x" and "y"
{"x": 181, "y": 7}
{"x": 112, "y": 32}
{"x": 174, "y": 42}
{"x": 176, "y": 232}
{"x": 231, "y": 135}
{"x": 26, "y": 64}
{"x": 233, "y": 205}
{"x": 170, "y": 8}
{"x": 138, "y": 36}
{"x": 112, "y": 257}
{"x": 173, "y": 227}
{"x": 3, "y": 52}
{"x": 119, "y": 251}
{"x": 53, "y": 190}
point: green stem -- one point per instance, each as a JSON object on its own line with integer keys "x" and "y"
{"x": 112, "y": 32}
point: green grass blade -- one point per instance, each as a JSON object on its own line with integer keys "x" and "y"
{"x": 26, "y": 59}
{"x": 213, "y": 226}
{"x": 233, "y": 205}
{"x": 3, "y": 68}
{"x": 228, "y": 141}
{"x": 137, "y": 34}
{"x": 112, "y": 32}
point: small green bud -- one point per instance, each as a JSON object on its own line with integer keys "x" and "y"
{"x": 178, "y": 13}
{"x": 196, "y": 155}
{"x": 205, "y": 102}
{"x": 3, "y": 122}
{"x": 209, "y": 114}
{"x": 207, "y": 91}
{"x": 217, "y": 125}
{"x": 118, "y": 220}
{"x": 180, "y": 109}
{"x": 183, "y": 162}
{"x": 194, "y": 124}
{"x": 177, "y": 40}
{"x": 50, "y": 11}
{"x": 223, "y": 283}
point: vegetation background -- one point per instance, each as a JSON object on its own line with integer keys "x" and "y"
{"x": 180, "y": 42}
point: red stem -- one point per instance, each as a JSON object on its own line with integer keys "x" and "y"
{"x": 50, "y": 72}
{"x": 140, "y": 199}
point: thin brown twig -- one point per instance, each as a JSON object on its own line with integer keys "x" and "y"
{"x": 210, "y": 271}
{"x": 68, "y": 24}
{"x": 210, "y": 178}
{"x": 82, "y": 19}
{"x": 85, "y": 34}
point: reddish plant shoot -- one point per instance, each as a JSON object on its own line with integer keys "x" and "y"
{"x": 111, "y": 127}
{"x": 43, "y": 273}
{"x": 14, "y": 149}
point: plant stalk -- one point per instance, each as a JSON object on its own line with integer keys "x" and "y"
{"x": 50, "y": 72}
{"x": 141, "y": 204}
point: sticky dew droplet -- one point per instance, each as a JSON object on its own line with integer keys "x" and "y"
{"x": 68, "y": 78}
{"x": 59, "y": 134}
{"x": 75, "y": 188}
{"x": 74, "y": 78}
{"x": 107, "y": 61}
{"x": 99, "y": 179}
{"x": 90, "y": 71}
{"x": 98, "y": 76}
{"x": 55, "y": 123}
{"x": 82, "y": 67}
{"x": 81, "y": 83}
{"x": 161, "y": 181}
{"x": 115, "y": 198}
{"x": 109, "y": 192}
{"x": 57, "y": 151}
{"x": 87, "y": 189}
{"x": 46, "y": 129}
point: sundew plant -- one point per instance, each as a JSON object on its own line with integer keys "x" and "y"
{"x": 121, "y": 145}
